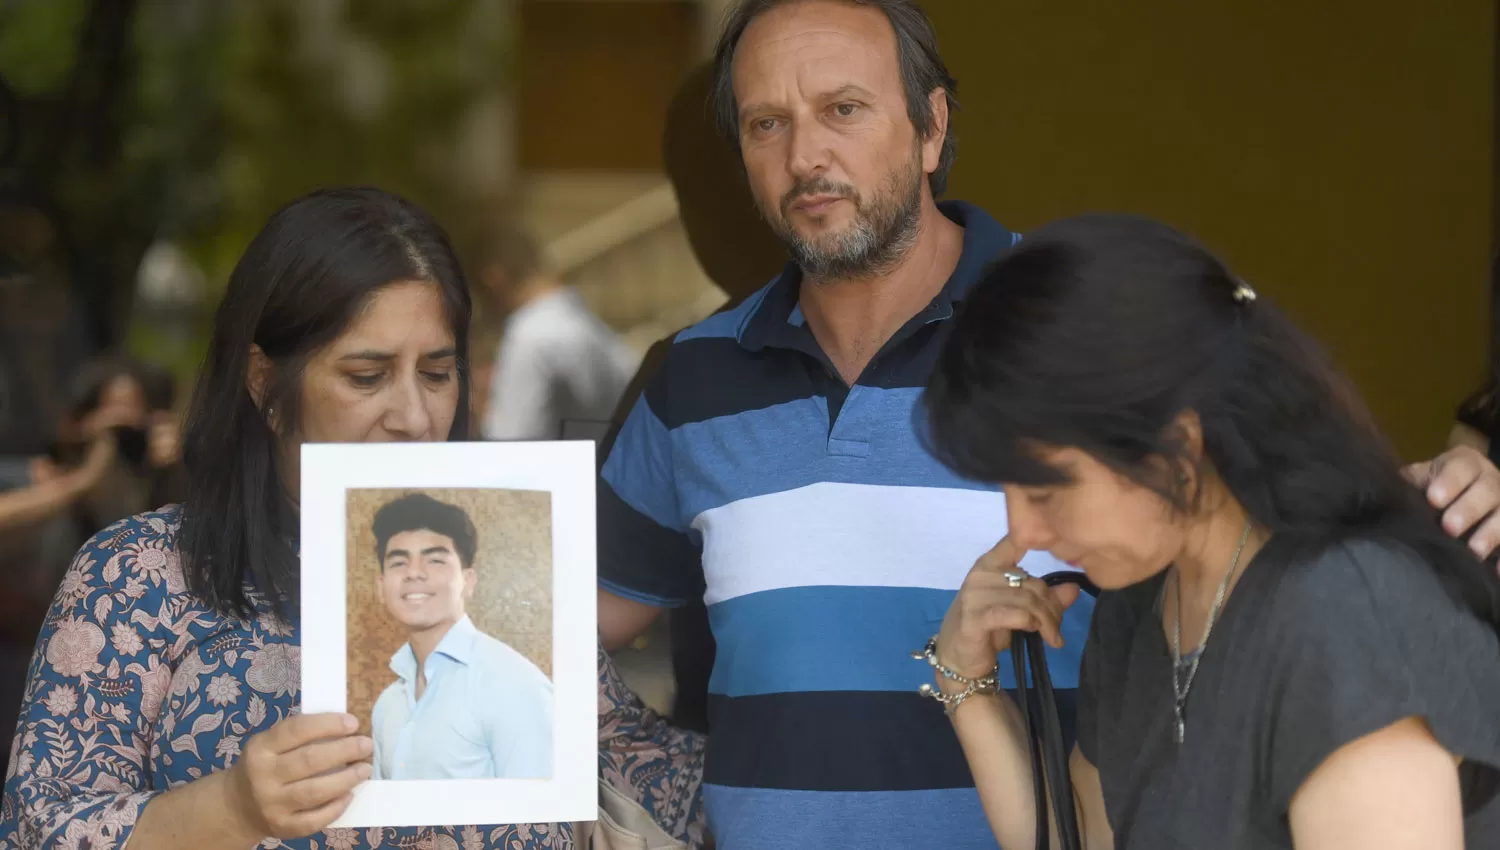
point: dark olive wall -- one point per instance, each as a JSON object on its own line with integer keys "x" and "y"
{"x": 596, "y": 77}
{"x": 1337, "y": 154}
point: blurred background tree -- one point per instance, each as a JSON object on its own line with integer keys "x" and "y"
{"x": 164, "y": 133}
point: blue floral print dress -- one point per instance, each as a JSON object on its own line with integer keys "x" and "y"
{"x": 138, "y": 686}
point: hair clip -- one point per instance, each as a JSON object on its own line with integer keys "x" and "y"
{"x": 1243, "y": 294}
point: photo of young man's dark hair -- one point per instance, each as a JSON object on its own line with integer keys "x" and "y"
{"x": 417, "y": 512}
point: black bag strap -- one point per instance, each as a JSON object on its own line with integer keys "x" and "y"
{"x": 1038, "y": 705}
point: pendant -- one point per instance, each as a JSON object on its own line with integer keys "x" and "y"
{"x": 1181, "y": 729}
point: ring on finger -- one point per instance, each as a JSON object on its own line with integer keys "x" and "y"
{"x": 1014, "y": 578}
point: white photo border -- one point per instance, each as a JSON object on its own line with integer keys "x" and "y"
{"x": 566, "y": 469}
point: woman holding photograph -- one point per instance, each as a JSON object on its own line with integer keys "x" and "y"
{"x": 161, "y": 709}
{"x": 1288, "y": 651}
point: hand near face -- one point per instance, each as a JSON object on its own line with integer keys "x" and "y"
{"x": 1465, "y": 486}
{"x": 164, "y": 446}
{"x": 987, "y": 610}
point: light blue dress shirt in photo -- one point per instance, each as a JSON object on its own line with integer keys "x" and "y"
{"x": 486, "y": 713}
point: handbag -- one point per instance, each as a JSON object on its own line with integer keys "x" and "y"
{"x": 1038, "y": 706}
{"x": 622, "y": 825}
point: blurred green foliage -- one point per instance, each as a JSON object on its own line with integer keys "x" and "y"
{"x": 38, "y": 42}
{"x": 223, "y": 110}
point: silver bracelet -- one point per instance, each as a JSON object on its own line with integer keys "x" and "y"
{"x": 951, "y": 702}
{"x": 988, "y": 684}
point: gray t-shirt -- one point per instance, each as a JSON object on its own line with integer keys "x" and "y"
{"x": 1315, "y": 648}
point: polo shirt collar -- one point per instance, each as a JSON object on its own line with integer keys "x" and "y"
{"x": 457, "y": 644}
{"x": 777, "y": 321}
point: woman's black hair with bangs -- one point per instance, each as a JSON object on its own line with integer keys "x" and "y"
{"x": 1099, "y": 332}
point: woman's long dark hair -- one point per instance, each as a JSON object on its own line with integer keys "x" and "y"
{"x": 1098, "y": 332}
{"x": 301, "y": 282}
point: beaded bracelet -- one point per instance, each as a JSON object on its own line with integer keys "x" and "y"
{"x": 988, "y": 684}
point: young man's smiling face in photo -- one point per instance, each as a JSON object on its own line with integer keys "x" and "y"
{"x": 423, "y": 582}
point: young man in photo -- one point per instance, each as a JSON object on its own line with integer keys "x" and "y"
{"x": 464, "y": 705}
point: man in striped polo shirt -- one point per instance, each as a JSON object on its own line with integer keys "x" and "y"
{"x": 773, "y": 467}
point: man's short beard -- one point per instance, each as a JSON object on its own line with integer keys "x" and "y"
{"x": 884, "y": 228}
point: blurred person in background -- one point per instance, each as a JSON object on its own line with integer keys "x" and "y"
{"x": 182, "y": 624}
{"x": 43, "y": 342}
{"x": 37, "y": 525}
{"x": 163, "y": 436}
{"x": 557, "y": 361}
{"x": 113, "y": 388}
{"x": 94, "y": 472}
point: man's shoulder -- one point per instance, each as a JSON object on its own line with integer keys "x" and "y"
{"x": 726, "y": 324}
{"x": 704, "y": 360}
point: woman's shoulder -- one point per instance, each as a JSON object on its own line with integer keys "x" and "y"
{"x": 138, "y": 555}
{"x": 1382, "y": 585}
{"x": 1362, "y": 567}
{"x": 158, "y": 527}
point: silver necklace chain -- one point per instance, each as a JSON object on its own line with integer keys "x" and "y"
{"x": 1180, "y": 690}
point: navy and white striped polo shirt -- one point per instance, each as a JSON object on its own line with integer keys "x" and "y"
{"x": 827, "y": 544}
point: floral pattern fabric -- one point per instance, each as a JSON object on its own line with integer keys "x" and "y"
{"x": 137, "y": 686}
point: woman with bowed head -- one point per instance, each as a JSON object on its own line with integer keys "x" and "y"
{"x": 1287, "y": 650}
{"x": 161, "y": 706}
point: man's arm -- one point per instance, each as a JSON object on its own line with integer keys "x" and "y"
{"x": 1465, "y": 435}
{"x": 622, "y": 620}
{"x": 647, "y": 559}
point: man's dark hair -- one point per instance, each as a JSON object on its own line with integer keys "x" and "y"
{"x": 416, "y": 512}
{"x": 922, "y": 70}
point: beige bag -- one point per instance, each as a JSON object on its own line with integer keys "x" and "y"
{"x": 622, "y": 825}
